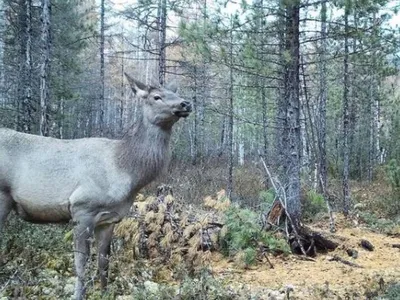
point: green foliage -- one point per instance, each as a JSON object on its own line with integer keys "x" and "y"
{"x": 22, "y": 237}
{"x": 314, "y": 204}
{"x": 393, "y": 172}
{"x": 267, "y": 197}
{"x": 203, "y": 287}
{"x": 392, "y": 293}
{"x": 392, "y": 203}
{"x": 379, "y": 224}
{"x": 152, "y": 291}
{"x": 244, "y": 235}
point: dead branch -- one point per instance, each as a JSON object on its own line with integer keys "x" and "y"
{"x": 277, "y": 191}
{"x": 343, "y": 261}
{"x": 305, "y": 258}
{"x": 269, "y": 262}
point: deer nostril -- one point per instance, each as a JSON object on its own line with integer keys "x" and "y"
{"x": 186, "y": 104}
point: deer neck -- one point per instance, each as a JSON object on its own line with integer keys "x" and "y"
{"x": 144, "y": 152}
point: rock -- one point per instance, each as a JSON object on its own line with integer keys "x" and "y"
{"x": 367, "y": 245}
{"x": 352, "y": 252}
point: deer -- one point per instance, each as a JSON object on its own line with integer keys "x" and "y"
{"x": 91, "y": 182}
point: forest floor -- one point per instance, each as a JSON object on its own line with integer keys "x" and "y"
{"x": 322, "y": 278}
{"x": 38, "y": 264}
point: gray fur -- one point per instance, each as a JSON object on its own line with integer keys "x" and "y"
{"x": 92, "y": 181}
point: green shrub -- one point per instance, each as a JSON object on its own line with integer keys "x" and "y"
{"x": 203, "y": 287}
{"x": 393, "y": 173}
{"x": 379, "y": 224}
{"x": 243, "y": 235}
{"x": 314, "y": 204}
{"x": 391, "y": 204}
{"x": 267, "y": 199}
{"x": 392, "y": 293}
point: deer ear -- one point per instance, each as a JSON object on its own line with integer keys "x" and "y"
{"x": 172, "y": 87}
{"x": 138, "y": 88}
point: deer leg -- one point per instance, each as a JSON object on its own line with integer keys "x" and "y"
{"x": 5, "y": 209}
{"x": 83, "y": 231}
{"x": 103, "y": 236}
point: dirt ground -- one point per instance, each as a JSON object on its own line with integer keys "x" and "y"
{"x": 323, "y": 279}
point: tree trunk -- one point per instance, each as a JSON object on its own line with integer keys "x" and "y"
{"x": 45, "y": 68}
{"x": 122, "y": 100}
{"x": 26, "y": 56}
{"x": 374, "y": 105}
{"x": 346, "y": 83}
{"x": 222, "y": 137}
{"x": 102, "y": 88}
{"x": 2, "y": 44}
{"x": 292, "y": 128}
{"x": 280, "y": 142}
{"x": 264, "y": 119}
{"x": 261, "y": 79}
{"x": 194, "y": 146}
{"x": 61, "y": 119}
{"x": 162, "y": 29}
{"x": 230, "y": 126}
{"x": 309, "y": 142}
{"x": 322, "y": 172}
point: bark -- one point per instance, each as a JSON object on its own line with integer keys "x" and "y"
{"x": 292, "y": 129}
{"x": 26, "y": 76}
{"x": 261, "y": 81}
{"x": 2, "y": 44}
{"x": 194, "y": 148}
{"x": 374, "y": 145}
{"x": 346, "y": 83}
{"x": 310, "y": 142}
{"x": 61, "y": 119}
{"x": 322, "y": 173}
{"x": 280, "y": 142}
{"x": 122, "y": 100}
{"x": 204, "y": 84}
{"x": 230, "y": 128}
{"x": 162, "y": 29}
{"x": 102, "y": 88}
{"x": 45, "y": 68}
{"x": 222, "y": 136}
{"x": 264, "y": 120}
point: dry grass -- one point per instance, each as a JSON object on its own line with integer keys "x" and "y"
{"x": 192, "y": 183}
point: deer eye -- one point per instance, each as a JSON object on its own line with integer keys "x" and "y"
{"x": 157, "y": 98}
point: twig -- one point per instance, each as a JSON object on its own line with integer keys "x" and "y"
{"x": 306, "y": 258}
{"x": 343, "y": 261}
{"x": 269, "y": 262}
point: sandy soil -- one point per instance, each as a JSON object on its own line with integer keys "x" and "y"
{"x": 324, "y": 279}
